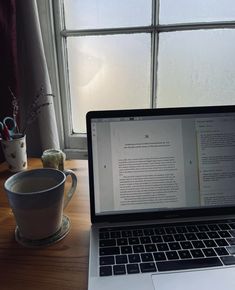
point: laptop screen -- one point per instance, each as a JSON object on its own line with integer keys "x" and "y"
{"x": 161, "y": 160}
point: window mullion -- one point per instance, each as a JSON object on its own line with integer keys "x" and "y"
{"x": 154, "y": 52}
{"x": 107, "y": 31}
{"x": 196, "y": 26}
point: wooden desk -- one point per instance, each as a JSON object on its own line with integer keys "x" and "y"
{"x": 61, "y": 266}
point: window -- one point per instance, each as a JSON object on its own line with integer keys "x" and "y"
{"x": 142, "y": 54}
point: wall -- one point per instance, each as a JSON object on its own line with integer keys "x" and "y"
{"x": 8, "y": 59}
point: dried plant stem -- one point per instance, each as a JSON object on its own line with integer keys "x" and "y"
{"x": 33, "y": 110}
{"x": 33, "y": 115}
{"x": 15, "y": 108}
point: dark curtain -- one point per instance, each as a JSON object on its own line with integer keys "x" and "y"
{"x": 8, "y": 58}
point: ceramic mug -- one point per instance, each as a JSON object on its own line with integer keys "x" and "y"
{"x": 15, "y": 152}
{"x": 37, "y": 200}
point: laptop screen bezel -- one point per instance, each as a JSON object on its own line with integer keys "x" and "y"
{"x": 152, "y": 215}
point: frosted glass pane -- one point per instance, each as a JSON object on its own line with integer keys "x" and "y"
{"x": 108, "y": 72}
{"x": 196, "y": 68}
{"x": 85, "y": 14}
{"x": 183, "y": 11}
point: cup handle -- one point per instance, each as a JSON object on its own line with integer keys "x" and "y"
{"x": 72, "y": 189}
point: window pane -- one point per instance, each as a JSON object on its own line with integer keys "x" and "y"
{"x": 183, "y": 11}
{"x": 196, "y": 68}
{"x": 108, "y": 72}
{"x": 92, "y": 14}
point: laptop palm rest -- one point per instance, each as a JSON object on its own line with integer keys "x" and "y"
{"x": 215, "y": 279}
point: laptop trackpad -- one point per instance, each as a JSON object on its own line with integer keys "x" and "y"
{"x": 215, "y": 279}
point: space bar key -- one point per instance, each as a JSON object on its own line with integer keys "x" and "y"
{"x": 188, "y": 264}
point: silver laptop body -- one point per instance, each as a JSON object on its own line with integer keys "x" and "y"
{"x": 162, "y": 185}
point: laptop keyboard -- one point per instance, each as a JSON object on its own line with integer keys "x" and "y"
{"x": 158, "y": 248}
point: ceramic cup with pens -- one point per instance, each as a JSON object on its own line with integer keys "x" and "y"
{"x": 37, "y": 199}
{"x": 13, "y": 145}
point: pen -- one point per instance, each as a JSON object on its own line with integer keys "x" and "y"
{"x": 5, "y": 133}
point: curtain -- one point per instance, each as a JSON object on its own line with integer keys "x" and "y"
{"x": 41, "y": 134}
{"x": 8, "y": 59}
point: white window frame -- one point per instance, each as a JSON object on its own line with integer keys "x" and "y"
{"x": 75, "y": 145}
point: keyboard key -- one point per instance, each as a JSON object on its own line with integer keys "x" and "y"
{"x": 188, "y": 264}
{"x": 181, "y": 230}
{"x": 126, "y": 234}
{"x": 213, "y": 235}
{"x": 107, "y": 243}
{"x": 106, "y": 271}
{"x": 186, "y": 245}
{"x": 107, "y": 260}
{"x": 213, "y": 227}
{"x": 228, "y": 260}
{"x": 174, "y": 246}
{"x": 159, "y": 231}
{"x": 145, "y": 240}
{"x": 138, "y": 233}
{"x": 148, "y": 267}
{"x": 179, "y": 237}
{"x": 221, "y": 242}
{"x": 162, "y": 247}
{"x": 170, "y": 230}
{"x": 126, "y": 250}
{"x": 231, "y": 241}
{"x": 209, "y": 243}
{"x": 119, "y": 269}
{"x": 203, "y": 228}
{"x": 202, "y": 236}
{"x": 109, "y": 251}
{"x": 150, "y": 248}
{"x": 115, "y": 235}
{"x": 148, "y": 232}
{"x": 157, "y": 239}
{"x": 191, "y": 236}
{"x": 232, "y": 225}
{"x": 147, "y": 257}
{"x": 224, "y": 234}
{"x": 172, "y": 255}
{"x": 138, "y": 249}
{"x": 121, "y": 259}
{"x": 185, "y": 254}
{"x": 122, "y": 242}
{"x": 133, "y": 241}
{"x": 159, "y": 256}
{"x": 232, "y": 233}
{"x": 209, "y": 252}
{"x": 231, "y": 250}
{"x": 168, "y": 238}
{"x": 221, "y": 251}
{"x": 133, "y": 268}
{"x": 224, "y": 227}
{"x": 134, "y": 258}
{"x": 104, "y": 235}
{"x": 198, "y": 244}
{"x": 197, "y": 253}
{"x": 192, "y": 229}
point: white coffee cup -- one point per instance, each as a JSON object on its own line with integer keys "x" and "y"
{"x": 37, "y": 200}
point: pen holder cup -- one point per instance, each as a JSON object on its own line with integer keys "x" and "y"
{"x": 15, "y": 152}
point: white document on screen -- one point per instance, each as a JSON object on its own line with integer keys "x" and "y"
{"x": 216, "y": 148}
{"x": 148, "y": 165}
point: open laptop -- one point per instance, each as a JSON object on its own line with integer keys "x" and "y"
{"x": 162, "y": 193}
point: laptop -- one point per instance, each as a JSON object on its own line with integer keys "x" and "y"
{"x": 162, "y": 198}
